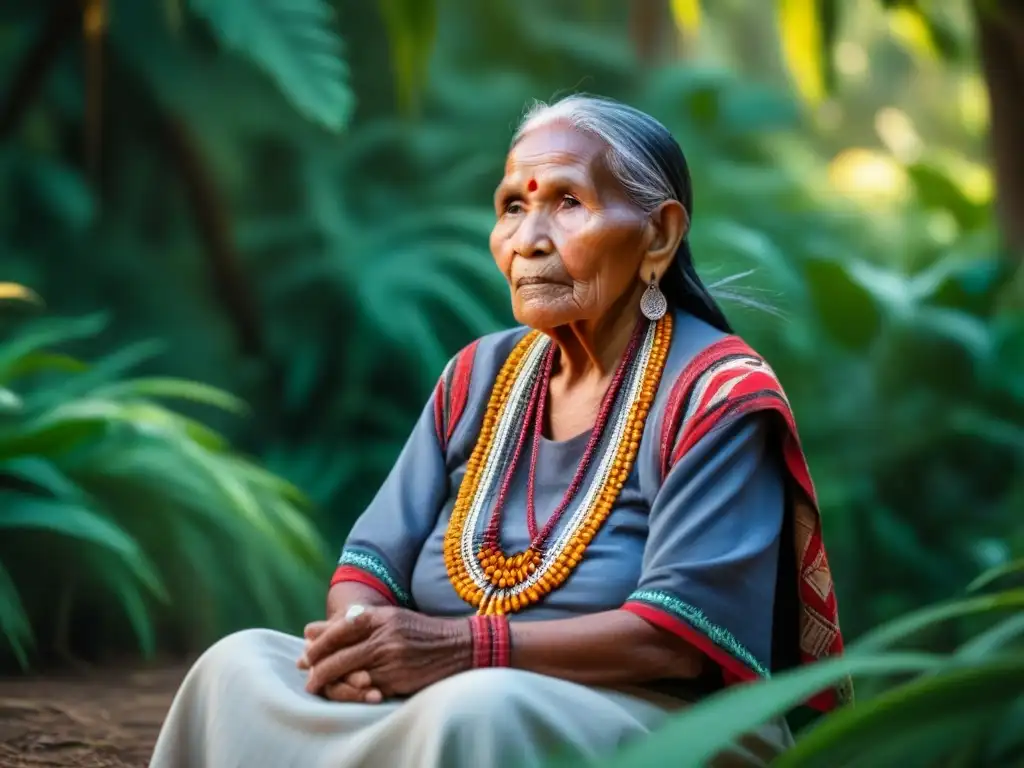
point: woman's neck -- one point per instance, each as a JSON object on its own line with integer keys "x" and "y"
{"x": 590, "y": 350}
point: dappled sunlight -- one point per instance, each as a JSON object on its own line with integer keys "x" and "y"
{"x": 868, "y": 175}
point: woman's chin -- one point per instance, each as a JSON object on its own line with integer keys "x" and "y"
{"x": 543, "y": 315}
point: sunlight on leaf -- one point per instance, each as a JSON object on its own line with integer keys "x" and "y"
{"x": 13, "y": 291}
{"x": 687, "y": 15}
{"x": 806, "y": 46}
{"x": 908, "y": 25}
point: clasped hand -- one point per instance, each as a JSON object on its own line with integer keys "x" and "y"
{"x": 381, "y": 653}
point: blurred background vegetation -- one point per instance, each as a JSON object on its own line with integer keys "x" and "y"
{"x": 240, "y": 239}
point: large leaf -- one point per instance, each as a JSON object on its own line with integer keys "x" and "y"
{"x": 68, "y": 426}
{"x": 698, "y": 734}
{"x": 45, "y": 334}
{"x": 296, "y": 43}
{"x": 14, "y": 624}
{"x": 175, "y": 389}
{"x": 98, "y": 373}
{"x": 986, "y": 643}
{"x": 45, "y": 476}
{"x": 847, "y": 309}
{"x": 133, "y": 601}
{"x": 22, "y": 512}
{"x": 998, "y": 573}
{"x": 916, "y": 724}
{"x": 907, "y": 626}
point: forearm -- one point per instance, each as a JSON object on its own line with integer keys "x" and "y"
{"x": 609, "y": 648}
{"x": 345, "y": 594}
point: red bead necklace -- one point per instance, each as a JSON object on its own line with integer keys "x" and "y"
{"x": 537, "y": 412}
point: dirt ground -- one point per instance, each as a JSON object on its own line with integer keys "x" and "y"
{"x": 98, "y": 719}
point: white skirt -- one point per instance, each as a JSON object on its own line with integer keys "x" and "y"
{"x": 244, "y": 704}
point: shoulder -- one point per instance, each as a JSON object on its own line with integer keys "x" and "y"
{"x": 469, "y": 375}
{"x": 711, "y": 380}
{"x": 482, "y": 358}
{"x": 488, "y": 352}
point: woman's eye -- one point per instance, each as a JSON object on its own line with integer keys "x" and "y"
{"x": 570, "y": 202}
{"x": 513, "y": 207}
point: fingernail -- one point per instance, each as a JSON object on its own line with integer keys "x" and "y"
{"x": 303, "y": 661}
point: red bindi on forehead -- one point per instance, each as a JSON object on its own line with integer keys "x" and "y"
{"x": 531, "y": 185}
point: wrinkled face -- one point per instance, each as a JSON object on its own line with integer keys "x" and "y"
{"x": 567, "y": 238}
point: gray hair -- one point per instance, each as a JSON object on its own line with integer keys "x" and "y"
{"x": 649, "y": 163}
{"x": 630, "y": 160}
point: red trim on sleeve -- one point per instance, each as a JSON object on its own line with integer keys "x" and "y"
{"x": 733, "y": 669}
{"x": 351, "y": 573}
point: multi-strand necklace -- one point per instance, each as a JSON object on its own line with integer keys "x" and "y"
{"x": 483, "y": 574}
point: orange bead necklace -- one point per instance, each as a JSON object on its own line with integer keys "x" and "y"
{"x": 480, "y": 571}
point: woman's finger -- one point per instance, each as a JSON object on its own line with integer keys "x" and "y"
{"x": 314, "y": 629}
{"x": 359, "y": 679}
{"x": 336, "y": 667}
{"x": 339, "y": 634}
{"x": 344, "y": 692}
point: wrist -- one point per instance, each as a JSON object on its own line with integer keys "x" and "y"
{"x": 460, "y": 642}
{"x": 345, "y": 594}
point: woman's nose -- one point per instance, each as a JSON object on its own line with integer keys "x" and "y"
{"x": 533, "y": 242}
{"x": 542, "y": 246}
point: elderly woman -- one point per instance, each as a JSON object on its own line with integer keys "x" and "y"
{"x": 599, "y": 517}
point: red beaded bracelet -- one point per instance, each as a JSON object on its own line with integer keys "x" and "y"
{"x": 492, "y": 645}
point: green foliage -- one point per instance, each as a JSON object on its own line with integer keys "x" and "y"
{"x": 293, "y": 41}
{"x": 809, "y": 30}
{"x": 960, "y": 707}
{"x": 327, "y": 279}
{"x": 412, "y": 26}
{"x": 115, "y": 508}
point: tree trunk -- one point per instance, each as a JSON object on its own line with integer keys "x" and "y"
{"x": 653, "y": 31}
{"x": 59, "y": 29}
{"x": 1001, "y": 49}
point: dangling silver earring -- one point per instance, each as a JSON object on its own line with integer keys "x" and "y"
{"x": 653, "y": 303}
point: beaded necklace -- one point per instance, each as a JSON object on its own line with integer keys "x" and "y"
{"x": 480, "y": 571}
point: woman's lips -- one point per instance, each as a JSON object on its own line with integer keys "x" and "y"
{"x": 523, "y": 281}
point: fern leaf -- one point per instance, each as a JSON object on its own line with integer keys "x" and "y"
{"x": 295, "y": 42}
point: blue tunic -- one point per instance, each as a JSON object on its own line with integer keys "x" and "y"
{"x": 701, "y": 546}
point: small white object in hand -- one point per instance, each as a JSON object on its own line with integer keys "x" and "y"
{"x": 353, "y": 612}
